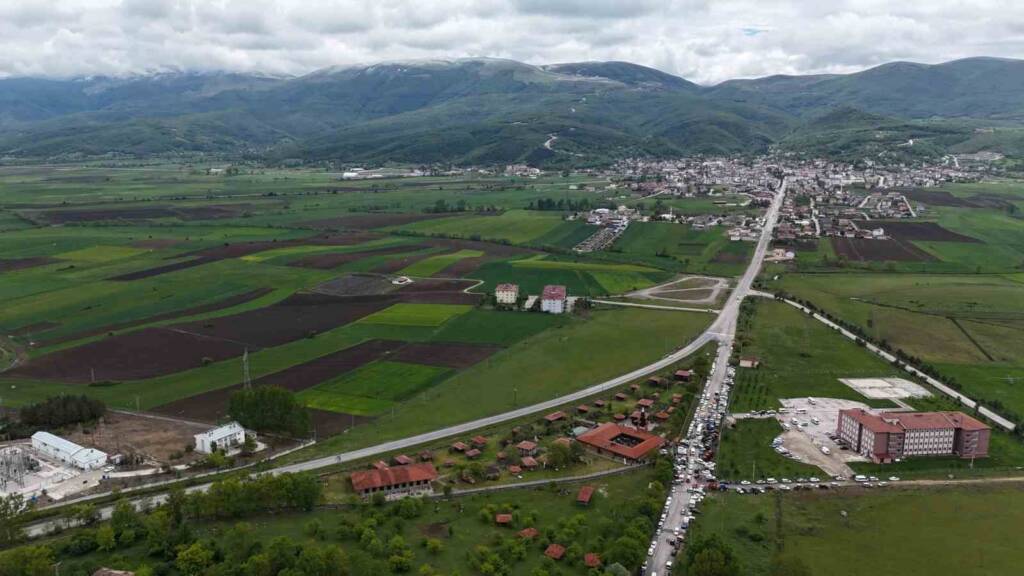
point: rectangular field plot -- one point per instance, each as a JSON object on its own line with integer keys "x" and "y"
{"x": 102, "y": 253}
{"x": 373, "y": 388}
{"x": 435, "y": 264}
{"x": 404, "y": 314}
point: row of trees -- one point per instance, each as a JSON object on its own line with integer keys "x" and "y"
{"x": 62, "y": 410}
{"x": 270, "y": 409}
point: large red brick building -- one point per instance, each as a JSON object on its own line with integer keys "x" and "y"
{"x": 888, "y": 436}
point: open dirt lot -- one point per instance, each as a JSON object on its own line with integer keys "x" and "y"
{"x": 862, "y": 250}
{"x": 154, "y": 438}
{"x": 687, "y": 290}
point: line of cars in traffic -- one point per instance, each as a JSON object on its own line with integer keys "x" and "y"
{"x": 694, "y": 466}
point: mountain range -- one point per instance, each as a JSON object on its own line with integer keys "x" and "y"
{"x": 483, "y": 111}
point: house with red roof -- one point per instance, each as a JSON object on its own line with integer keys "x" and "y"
{"x": 402, "y": 460}
{"x": 592, "y": 560}
{"x": 529, "y": 462}
{"x": 529, "y": 533}
{"x": 473, "y": 453}
{"x": 479, "y": 441}
{"x": 555, "y": 551}
{"x": 554, "y": 417}
{"x": 628, "y": 444}
{"x": 584, "y": 495}
{"x": 459, "y": 447}
{"x": 503, "y": 519}
{"x": 683, "y": 375}
{"x": 395, "y": 482}
{"x": 527, "y": 448}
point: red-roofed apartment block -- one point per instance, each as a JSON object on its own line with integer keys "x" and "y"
{"x": 396, "y": 482}
{"x": 552, "y": 299}
{"x": 630, "y": 444}
{"x": 895, "y": 435}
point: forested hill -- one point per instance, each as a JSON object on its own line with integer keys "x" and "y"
{"x": 492, "y": 111}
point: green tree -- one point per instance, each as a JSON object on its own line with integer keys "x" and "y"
{"x": 10, "y": 507}
{"x": 193, "y": 560}
{"x": 711, "y": 557}
{"x": 106, "y": 539}
{"x": 27, "y": 561}
{"x": 270, "y": 409}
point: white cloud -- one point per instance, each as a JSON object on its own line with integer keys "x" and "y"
{"x": 703, "y": 40}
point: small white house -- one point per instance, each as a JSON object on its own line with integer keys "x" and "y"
{"x": 507, "y": 294}
{"x": 68, "y": 452}
{"x": 222, "y": 438}
{"x": 552, "y": 299}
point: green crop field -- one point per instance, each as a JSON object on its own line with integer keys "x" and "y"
{"x": 697, "y": 251}
{"x": 745, "y": 453}
{"x": 968, "y": 531}
{"x": 405, "y": 314}
{"x": 516, "y": 226}
{"x": 371, "y": 389}
{"x": 799, "y": 357}
{"x": 478, "y": 327}
{"x": 435, "y": 264}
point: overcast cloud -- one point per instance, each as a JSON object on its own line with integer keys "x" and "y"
{"x": 706, "y": 41}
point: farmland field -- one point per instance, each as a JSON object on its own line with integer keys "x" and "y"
{"x": 435, "y": 264}
{"x": 416, "y": 314}
{"x": 965, "y": 530}
{"x": 373, "y": 388}
{"x": 697, "y": 251}
{"x": 516, "y": 226}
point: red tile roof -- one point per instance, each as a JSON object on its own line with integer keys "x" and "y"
{"x": 619, "y": 416}
{"x": 402, "y": 459}
{"x": 553, "y": 292}
{"x": 610, "y": 436}
{"x": 924, "y": 420}
{"x": 370, "y": 479}
{"x": 586, "y": 492}
{"x": 583, "y": 408}
{"x": 555, "y": 416}
{"x": 380, "y": 465}
{"x": 513, "y": 469}
{"x": 459, "y": 447}
{"x": 472, "y": 453}
{"x": 503, "y": 519}
{"x": 529, "y": 462}
{"x": 592, "y": 560}
{"x": 506, "y": 287}
{"x": 527, "y": 445}
{"x": 599, "y": 403}
{"x": 555, "y": 551}
{"x": 528, "y": 533}
{"x": 871, "y": 421}
{"x": 620, "y": 396}
{"x": 479, "y": 440}
{"x": 645, "y": 402}
{"x": 967, "y": 422}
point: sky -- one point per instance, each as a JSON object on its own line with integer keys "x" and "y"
{"x": 706, "y": 41}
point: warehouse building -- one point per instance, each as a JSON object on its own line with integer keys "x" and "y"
{"x": 68, "y": 452}
{"x": 892, "y": 436}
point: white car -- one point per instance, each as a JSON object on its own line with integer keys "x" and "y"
{"x": 894, "y": 478}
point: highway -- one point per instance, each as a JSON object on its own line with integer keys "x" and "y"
{"x": 722, "y": 329}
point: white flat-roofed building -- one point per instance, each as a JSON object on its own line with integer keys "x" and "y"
{"x": 68, "y": 452}
{"x": 221, "y": 438}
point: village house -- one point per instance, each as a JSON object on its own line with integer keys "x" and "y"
{"x": 628, "y": 444}
{"x": 552, "y": 299}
